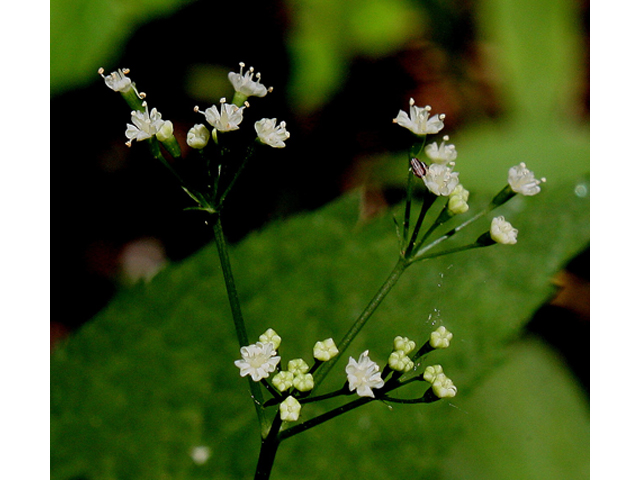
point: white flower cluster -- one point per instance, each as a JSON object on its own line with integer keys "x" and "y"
{"x": 260, "y": 360}
{"x": 439, "y": 176}
{"x": 230, "y": 115}
{"x": 226, "y": 118}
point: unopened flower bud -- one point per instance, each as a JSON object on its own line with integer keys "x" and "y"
{"x": 443, "y": 387}
{"x": 297, "y": 366}
{"x": 290, "y": 409}
{"x": 458, "y": 200}
{"x": 303, "y": 382}
{"x": 325, "y": 350}
{"x": 400, "y": 362}
{"x": 166, "y": 131}
{"x": 440, "y": 338}
{"x": 283, "y": 380}
{"x": 403, "y": 344}
{"x": 271, "y": 336}
{"x": 198, "y": 136}
{"x": 432, "y": 372}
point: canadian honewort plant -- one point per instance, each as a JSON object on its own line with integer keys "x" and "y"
{"x": 280, "y": 393}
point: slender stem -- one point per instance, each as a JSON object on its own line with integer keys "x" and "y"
{"x": 452, "y": 250}
{"x": 235, "y": 177}
{"x": 386, "y": 287}
{"x": 343, "y": 391}
{"x": 289, "y": 432}
{"x": 428, "y": 200}
{"x": 236, "y": 312}
{"x": 407, "y": 209}
{"x": 268, "y": 450}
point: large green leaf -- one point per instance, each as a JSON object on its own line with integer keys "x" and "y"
{"x": 152, "y": 376}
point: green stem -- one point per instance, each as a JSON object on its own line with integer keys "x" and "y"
{"x": 452, "y": 250}
{"x": 428, "y": 200}
{"x": 236, "y": 312}
{"x": 220, "y": 202}
{"x": 268, "y": 450}
{"x": 289, "y": 432}
{"x": 386, "y": 287}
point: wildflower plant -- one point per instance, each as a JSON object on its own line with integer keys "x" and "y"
{"x": 280, "y": 394}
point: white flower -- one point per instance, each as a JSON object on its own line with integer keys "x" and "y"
{"x": 198, "y": 136}
{"x": 325, "y": 350}
{"x": 522, "y": 180}
{"x": 503, "y": 232}
{"x": 303, "y": 382}
{"x": 270, "y": 134}
{"x": 258, "y": 360}
{"x": 145, "y": 124}
{"x": 443, "y": 386}
{"x": 363, "y": 375}
{"x": 443, "y": 154}
{"x": 225, "y": 120}
{"x": 440, "y": 338}
{"x": 117, "y": 81}
{"x": 245, "y": 85}
{"x": 283, "y": 380}
{"x": 418, "y": 120}
{"x": 271, "y": 336}
{"x": 440, "y": 179}
{"x": 290, "y": 409}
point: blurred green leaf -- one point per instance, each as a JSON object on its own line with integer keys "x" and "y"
{"x": 152, "y": 376}
{"x": 88, "y": 34}
{"x": 327, "y": 34}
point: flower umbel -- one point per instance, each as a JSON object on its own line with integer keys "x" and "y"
{"x": 225, "y": 120}
{"x": 418, "y": 120}
{"x": 271, "y": 134}
{"x": 503, "y": 232}
{"x": 246, "y": 85}
{"x": 258, "y": 360}
{"x": 145, "y": 124}
{"x": 522, "y": 180}
{"x": 363, "y": 375}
